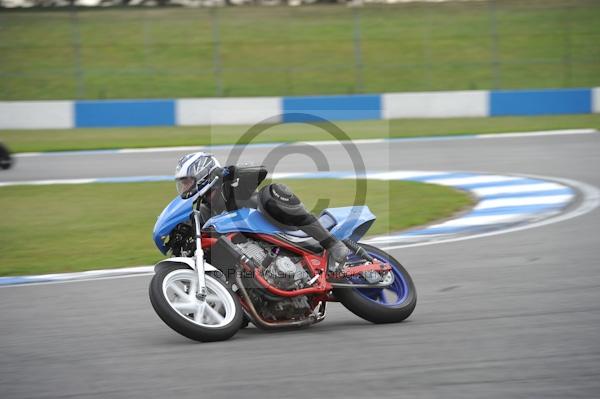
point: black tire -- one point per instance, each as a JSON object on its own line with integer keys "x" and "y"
{"x": 180, "y": 323}
{"x": 371, "y": 311}
{"x": 6, "y": 160}
{"x": 5, "y": 164}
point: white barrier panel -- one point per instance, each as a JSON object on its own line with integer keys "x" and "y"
{"x": 596, "y": 100}
{"x": 226, "y": 111}
{"x": 435, "y": 104}
{"x": 36, "y": 115}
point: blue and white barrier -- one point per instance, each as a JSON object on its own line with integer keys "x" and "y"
{"x": 37, "y": 115}
{"x": 596, "y": 100}
{"x": 118, "y": 113}
{"x": 248, "y": 111}
{"x": 540, "y": 102}
{"x": 334, "y": 108}
{"x": 226, "y": 111}
{"x": 447, "y": 104}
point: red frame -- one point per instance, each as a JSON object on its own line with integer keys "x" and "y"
{"x": 316, "y": 264}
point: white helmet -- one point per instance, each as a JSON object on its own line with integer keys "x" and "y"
{"x": 193, "y": 171}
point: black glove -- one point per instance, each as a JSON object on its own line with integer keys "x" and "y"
{"x": 217, "y": 172}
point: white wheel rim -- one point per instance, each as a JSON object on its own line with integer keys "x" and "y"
{"x": 179, "y": 289}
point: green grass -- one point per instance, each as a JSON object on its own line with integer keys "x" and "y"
{"x": 61, "y": 228}
{"x": 157, "y": 53}
{"x": 90, "y": 139}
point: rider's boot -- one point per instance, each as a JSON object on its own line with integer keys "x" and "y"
{"x": 338, "y": 253}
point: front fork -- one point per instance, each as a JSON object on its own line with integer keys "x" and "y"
{"x": 199, "y": 258}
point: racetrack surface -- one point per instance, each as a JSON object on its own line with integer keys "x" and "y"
{"x": 515, "y": 315}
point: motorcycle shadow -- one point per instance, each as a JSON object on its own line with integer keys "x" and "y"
{"x": 254, "y": 333}
{"x": 324, "y": 327}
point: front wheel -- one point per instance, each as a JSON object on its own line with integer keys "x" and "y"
{"x": 391, "y": 304}
{"x": 172, "y": 294}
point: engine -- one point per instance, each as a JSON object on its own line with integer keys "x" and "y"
{"x": 282, "y": 269}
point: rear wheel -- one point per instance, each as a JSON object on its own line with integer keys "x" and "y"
{"x": 391, "y": 304}
{"x": 172, "y": 294}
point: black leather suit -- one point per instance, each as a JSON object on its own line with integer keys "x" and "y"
{"x": 237, "y": 189}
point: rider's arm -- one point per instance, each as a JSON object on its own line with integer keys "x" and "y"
{"x": 240, "y": 182}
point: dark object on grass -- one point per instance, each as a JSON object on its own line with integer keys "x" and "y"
{"x": 5, "y": 158}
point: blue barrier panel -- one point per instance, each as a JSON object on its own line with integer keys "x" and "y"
{"x": 341, "y": 108}
{"x": 116, "y": 113}
{"x": 541, "y": 102}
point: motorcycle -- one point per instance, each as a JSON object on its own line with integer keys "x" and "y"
{"x": 240, "y": 267}
{"x": 6, "y": 160}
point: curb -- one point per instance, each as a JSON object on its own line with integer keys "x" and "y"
{"x": 503, "y": 203}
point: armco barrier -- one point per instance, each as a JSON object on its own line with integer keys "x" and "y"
{"x": 447, "y": 104}
{"x": 115, "y": 113}
{"x": 345, "y": 108}
{"x": 540, "y": 102}
{"x": 227, "y": 111}
{"x": 596, "y": 100}
{"x": 248, "y": 111}
{"x": 36, "y": 115}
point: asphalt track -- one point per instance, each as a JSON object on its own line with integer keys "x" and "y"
{"x": 513, "y": 315}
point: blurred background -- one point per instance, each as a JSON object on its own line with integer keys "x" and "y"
{"x": 92, "y": 49}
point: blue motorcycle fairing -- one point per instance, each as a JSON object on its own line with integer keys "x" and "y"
{"x": 348, "y": 222}
{"x": 243, "y": 220}
{"x": 352, "y": 222}
{"x": 178, "y": 211}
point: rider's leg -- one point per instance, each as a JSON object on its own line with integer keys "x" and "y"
{"x": 286, "y": 208}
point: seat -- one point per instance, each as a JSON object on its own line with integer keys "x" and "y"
{"x": 307, "y": 243}
{"x": 302, "y": 240}
{"x": 326, "y": 221}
